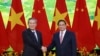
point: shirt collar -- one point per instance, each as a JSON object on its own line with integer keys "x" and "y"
{"x": 64, "y": 31}
{"x": 33, "y": 30}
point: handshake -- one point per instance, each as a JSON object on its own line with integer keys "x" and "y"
{"x": 44, "y": 49}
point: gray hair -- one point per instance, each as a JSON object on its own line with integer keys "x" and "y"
{"x": 32, "y": 19}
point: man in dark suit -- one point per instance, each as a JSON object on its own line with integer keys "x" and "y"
{"x": 64, "y": 41}
{"x": 32, "y": 40}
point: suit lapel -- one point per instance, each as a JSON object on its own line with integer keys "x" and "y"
{"x": 58, "y": 37}
{"x": 38, "y": 36}
{"x": 64, "y": 39}
{"x": 32, "y": 36}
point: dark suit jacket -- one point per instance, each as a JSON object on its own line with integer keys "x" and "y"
{"x": 68, "y": 46}
{"x": 31, "y": 46}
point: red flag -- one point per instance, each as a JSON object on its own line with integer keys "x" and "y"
{"x": 96, "y": 24}
{"x": 82, "y": 26}
{"x": 4, "y": 44}
{"x": 43, "y": 26}
{"x": 16, "y": 24}
{"x": 60, "y": 13}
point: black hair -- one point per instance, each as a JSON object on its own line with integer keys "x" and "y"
{"x": 61, "y": 21}
{"x": 32, "y": 19}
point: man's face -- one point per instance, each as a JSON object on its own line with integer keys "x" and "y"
{"x": 62, "y": 26}
{"x": 32, "y": 24}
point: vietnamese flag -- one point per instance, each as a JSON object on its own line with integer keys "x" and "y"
{"x": 82, "y": 27}
{"x": 60, "y": 14}
{"x": 96, "y": 24}
{"x": 16, "y": 24}
{"x": 4, "y": 44}
{"x": 43, "y": 26}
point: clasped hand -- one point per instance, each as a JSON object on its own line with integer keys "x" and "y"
{"x": 44, "y": 49}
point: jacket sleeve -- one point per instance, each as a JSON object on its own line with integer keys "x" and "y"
{"x": 28, "y": 41}
{"x": 51, "y": 46}
{"x": 74, "y": 48}
{"x": 41, "y": 42}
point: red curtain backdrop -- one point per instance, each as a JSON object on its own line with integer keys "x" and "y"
{"x": 60, "y": 13}
{"x": 96, "y": 24}
{"x": 82, "y": 27}
{"x": 43, "y": 26}
{"x": 4, "y": 44}
{"x": 16, "y": 24}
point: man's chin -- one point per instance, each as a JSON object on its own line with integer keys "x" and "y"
{"x": 62, "y": 29}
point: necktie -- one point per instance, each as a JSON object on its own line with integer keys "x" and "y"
{"x": 35, "y": 36}
{"x": 61, "y": 37}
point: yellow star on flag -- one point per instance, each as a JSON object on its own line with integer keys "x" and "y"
{"x": 15, "y": 18}
{"x": 59, "y": 16}
{"x": 97, "y": 18}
